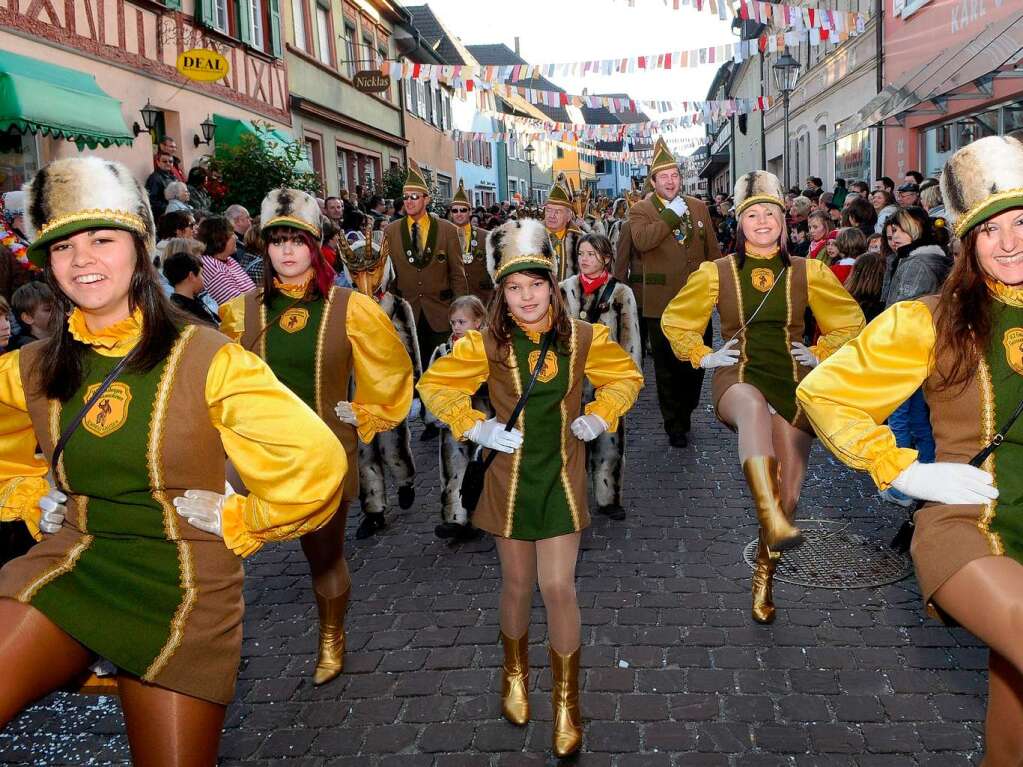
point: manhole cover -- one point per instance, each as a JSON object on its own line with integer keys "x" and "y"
{"x": 834, "y": 558}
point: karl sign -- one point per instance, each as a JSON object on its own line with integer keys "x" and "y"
{"x": 203, "y": 65}
{"x": 371, "y": 81}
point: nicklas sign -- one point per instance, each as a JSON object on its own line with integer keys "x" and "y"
{"x": 203, "y": 65}
{"x": 371, "y": 81}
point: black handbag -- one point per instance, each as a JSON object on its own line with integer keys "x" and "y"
{"x": 472, "y": 480}
{"x": 904, "y": 537}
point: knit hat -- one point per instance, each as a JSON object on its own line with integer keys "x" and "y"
{"x": 290, "y": 207}
{"x": 517, "y": 246}
{"x": 414, "y": 179}
{"x": 80, "y": 193}
{"x": 981, "y": 180}
{"x": 755, "y": 187}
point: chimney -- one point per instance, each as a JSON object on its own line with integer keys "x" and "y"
{"x": 516, "y": 45}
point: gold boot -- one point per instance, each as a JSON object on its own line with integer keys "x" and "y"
{"x": 515, "y": 679}
{"x": 568, "y": 724}
{"x": 763, "y": 579}
{"x": 777, "y": 533}
{"x": 330, "y": 659}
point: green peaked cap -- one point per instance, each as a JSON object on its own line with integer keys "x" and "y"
{"x": 460, "y": 195}
{"x": 414, "y": 179}
{"x": 663, "y": 158}
{"x": 560, "y": 193}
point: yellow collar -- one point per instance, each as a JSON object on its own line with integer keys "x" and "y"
{"x": 112, "y": 341}
{"x": 534, "y": 330}
{"x": 560, "y": 234}
{"x": 1007, "y": 294}
{"x": 422, "y": 220}
{"x": 763, "y": 256}
{"x": 293, "y": 290}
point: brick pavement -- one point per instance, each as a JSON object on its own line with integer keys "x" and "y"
{"x": 856, "y": 677}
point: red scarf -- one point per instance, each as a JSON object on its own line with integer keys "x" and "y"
{"x": 592, "y": 284}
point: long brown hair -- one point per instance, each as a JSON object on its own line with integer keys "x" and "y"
{"x": 61, "y": 366}
{"x": 501, "y": 325}
{"x": 964, "y": 322}
{"x": 866, "y": 279}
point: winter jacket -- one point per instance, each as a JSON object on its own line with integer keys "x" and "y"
{"x": 916, "y": 270}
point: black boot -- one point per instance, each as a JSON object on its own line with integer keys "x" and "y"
{"x": 612, "y": 511}
{"x": 406, "y": 496}
{"x": 370, "y": 525}
{"x": 430, "y": 432}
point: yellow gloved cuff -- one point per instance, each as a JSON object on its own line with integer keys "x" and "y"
{"x": 232, "y": 525}
{"x": 19, "y": 500}
{"x": 890, "y": 465}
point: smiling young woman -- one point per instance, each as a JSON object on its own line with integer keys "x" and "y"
{"x": 762, "y": 294}
{"x": 534, "y": 497}
{"x": 141, "y": 558}
{"x": 965, "y": 348}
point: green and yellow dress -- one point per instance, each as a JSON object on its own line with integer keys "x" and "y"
{"x": 318, "y": 346}
{"x": 765, "y": 340}
{"x": 849, "y": 397}
{"x": 126, "y": 576}
{"x": 539, "y": 491}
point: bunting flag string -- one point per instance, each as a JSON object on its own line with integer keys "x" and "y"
{"x": 639, "y": 156}
{"x": 782, "y": 15}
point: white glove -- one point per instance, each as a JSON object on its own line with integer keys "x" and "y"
{"x": 803, "y": 355}
{"x": 491, "y": 433}
{"x": 346, "y": 413}
{"x": 952, "y": 483}
{"x": 588, "y": 427}
{"x": 677, "y": 206}
{"x": 204, "y": 509}
{"x": 53, "y": 511}
{"x": 724, "y": 357}
{"x": 416, "y": 409}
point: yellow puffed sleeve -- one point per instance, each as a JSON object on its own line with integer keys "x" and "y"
{"x": 232, "y": 318}
{"x": 288, "y": 458}
{"x": 616, "y": 379}
{"x": 837, "y": 313}
{"x": 849, "y": 396}
{"x": 686, "y": 317}
{"x": 22, "y": 475}
{"x": 383, "y": 370}
{"x": 447, "y": 387}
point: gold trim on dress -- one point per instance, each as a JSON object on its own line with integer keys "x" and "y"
{"x": 65, "y": 566}
{"x": 565, "y": 482}
{"x": 154, "y": 454}
{"x": 321, "y": 334}
{"x": 516, "y": 457}
{"x": 742, "y": 317}
{"x": 987, "y": 395}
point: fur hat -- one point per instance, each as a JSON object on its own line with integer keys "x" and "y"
{"x": 517, "y": 246}
{"x": 290, "y": 207}
{"x": 78, "y": 193}
{"x": 982, "y": 179}
{"x": 755, "y": 187}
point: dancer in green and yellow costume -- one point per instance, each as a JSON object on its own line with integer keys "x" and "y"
{"x": 534, "y": 496}
{"x": 141, "y": 558}
{"x": 319, "y": 339}
{"x": 965, "y": 348}
{"x": 761, "y": 294}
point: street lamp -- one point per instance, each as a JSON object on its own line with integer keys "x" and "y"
{"x": 786, "y": 70}
{"x": 150, "y": 115}
{"x": 208, "y": 128}
{"x": 530, "y": 151}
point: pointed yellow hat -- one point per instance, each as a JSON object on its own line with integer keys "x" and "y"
{"x": 460, "y": 195}
{"x": 414, "y": 180}
{"x": 663, "y": 158}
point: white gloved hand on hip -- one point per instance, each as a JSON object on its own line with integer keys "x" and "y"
{"x": 588, "y": 427}
{"x": 801, "y": 354}
{"x": 724, "y": 357}
{"x": 952, "y": 483}
{"x": 204, "y": 509}
{"x": 346, "y": 413}
{"x": 492, "y": 434}
{"x": 53, "y": 511}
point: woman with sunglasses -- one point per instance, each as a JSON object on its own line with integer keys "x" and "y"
{"x": 762, "y": 294}
{"x": 141, "y": 561}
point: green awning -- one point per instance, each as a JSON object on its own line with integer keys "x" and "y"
{"x": 38, "y": 97}
{"x": 229, "y": 132}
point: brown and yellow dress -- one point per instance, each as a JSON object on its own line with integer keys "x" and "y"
{"x": 318, "y": 346}
{"x": 126, "y": 576}
{"x": 849, "y": 397}
{"x": 539, "y": 491}
{"x": 765, "y": 340}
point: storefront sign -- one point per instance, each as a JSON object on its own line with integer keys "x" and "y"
{"x": 203, "y": 65}
{"x": 371, "y": 81}
{"x": 852, "y": 157}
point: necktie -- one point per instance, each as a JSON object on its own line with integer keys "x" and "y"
{"x": 415, "y": 239}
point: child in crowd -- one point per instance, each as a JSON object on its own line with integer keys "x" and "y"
{"x": 5, "y": 325}
{"x": 865, "y": 282}
{"x": 843, "y": 250}
{"x": 466, "y": 313}
{"x": 183, "y": 270}
{"x": 33, "y": 308}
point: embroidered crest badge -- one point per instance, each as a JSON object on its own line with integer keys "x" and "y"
{"x": 109, "y": 414}
{"x": 294, "y": 320}
{"x": 1013, "y": 340}
{"x": 550, "y": 366}
{"x": 763, "y": 279}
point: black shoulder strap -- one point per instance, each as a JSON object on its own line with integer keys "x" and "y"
{"x": 77, "y": 420}
{"x": 600, "y": 305}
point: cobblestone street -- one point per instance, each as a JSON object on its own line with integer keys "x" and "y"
{"x": 675, "y": 671}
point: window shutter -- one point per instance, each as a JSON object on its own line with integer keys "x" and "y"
{"x": 245, "y": 22}
{"x": 174, "y": 5}
{"x": 275, "y": 29}
{"x": 206, "y": 13}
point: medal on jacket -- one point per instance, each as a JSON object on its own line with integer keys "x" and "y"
{"x": 684, "y": 228}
